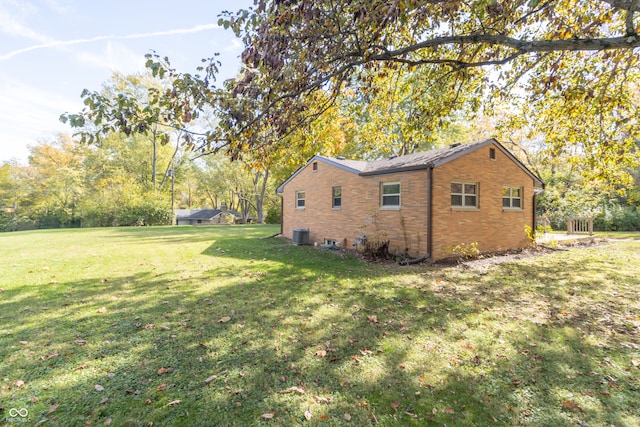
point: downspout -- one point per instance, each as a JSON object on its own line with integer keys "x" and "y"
{"x": 429, "y": 221}
{"x": 281, "y": 211}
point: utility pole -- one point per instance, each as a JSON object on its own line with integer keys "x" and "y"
{"x": 173, "y": 182}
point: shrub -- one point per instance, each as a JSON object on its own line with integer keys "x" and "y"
{"x": 273, "y": 215}
{"x": 11, "y": 222}
{"x": 464, "y": 251}
{"x": 617, "y": 218}
{"x": 375, "y": 250}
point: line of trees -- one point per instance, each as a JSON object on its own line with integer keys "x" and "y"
{"x": 110, "y": 183}
{"x": 559, "y": 80}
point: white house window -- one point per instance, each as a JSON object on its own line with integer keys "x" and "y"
{"x": 336, "y": 202}
{"x": 300, "y": 199}
{"x": 512, "y": 197}
{"x": 464, "y": 194}
{"x": 390, "y": 195}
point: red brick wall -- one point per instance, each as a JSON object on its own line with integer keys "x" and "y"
{"x": 491, "y": 226}
{"x": 360, "y": 213}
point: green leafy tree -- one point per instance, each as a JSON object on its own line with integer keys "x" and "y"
{"x": 559, "y": 54}
{"x": 135, "y": 106}
{"x": 54, "y": 182}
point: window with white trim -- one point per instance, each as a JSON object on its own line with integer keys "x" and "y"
{"x": 512, "y": 197}
{"x": 390, "y": 195}
{"x": 464, "y": 194}
{"x": 300, "y": 197}
{"x": 336, "y": 200}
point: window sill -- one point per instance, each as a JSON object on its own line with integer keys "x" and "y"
{"x": 465, "y": 208}
{"x": 336, "y": 209}
{"x": 299, "y": 209}
{"x": 512, "y": 210}
{"x": 390, "y": 208}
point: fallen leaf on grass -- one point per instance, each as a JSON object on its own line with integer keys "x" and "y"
{"x": 18, "y": 383}
{"x": 104, "y": 400}
{"x": 174, "y": 402}
{"x": 98, "y": 387}
{"x": 268, "y": 415}
{"x": 165, "y": 328}
{"x": 163, "y": 371}
{"x": 307, "y": 415}
{"x": 373, "y": 318}
{"x": 52, "y": 408}
{"x": 325, "y": 400}
{"x": 211, "y": 378}
{"x": 571, "y": 405}
{"x": 321, "y": 353}
{"x": 24, "y": 342}
{"x": 224, "y": 319}
{"x": 346, "y": 417}
{"x": 449, "y": 411}
{"x": 39, "y": 423}
{"x": 395, "y": 406}
{"x": 102, "y": 310}
{"x": 108, "y": 421}
{"x": 293, "y": 389}
{"x": 50, "y": 356}
{"x": 635, "y": 362}
{"x": 150, "y": 326}
{"x": 81, "y": 342}
{"x": 162, "y": 387}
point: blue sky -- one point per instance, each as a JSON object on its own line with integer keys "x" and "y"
{"x": 50, "y": 50}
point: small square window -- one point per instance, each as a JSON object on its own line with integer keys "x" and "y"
{"x": 300, "y": 199}
{"x": 464, "y": 195}
{"x": 512, "y": 197}
{"x": 336, "y": 202}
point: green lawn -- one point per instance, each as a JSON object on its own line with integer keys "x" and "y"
{"x": 204, "y": 326}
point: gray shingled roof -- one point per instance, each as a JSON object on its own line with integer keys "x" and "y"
{"x": 415, "y": 161}
{"x": 206, "y": 214}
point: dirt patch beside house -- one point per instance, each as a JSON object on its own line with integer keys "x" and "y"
{"x": 486, "y": 260}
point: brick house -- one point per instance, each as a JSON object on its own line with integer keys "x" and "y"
{"x": 425, "y": 203}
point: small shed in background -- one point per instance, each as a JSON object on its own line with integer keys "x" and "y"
{"x": 206, "y": 216}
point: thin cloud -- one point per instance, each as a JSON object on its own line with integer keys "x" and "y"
{"x": 59, "y": 43}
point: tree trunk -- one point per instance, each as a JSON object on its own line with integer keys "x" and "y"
{"x": 260, "y": 183}
{"x": 154, "y": 159}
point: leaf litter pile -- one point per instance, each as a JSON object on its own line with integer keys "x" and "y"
{"x": 249, "y": 332}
